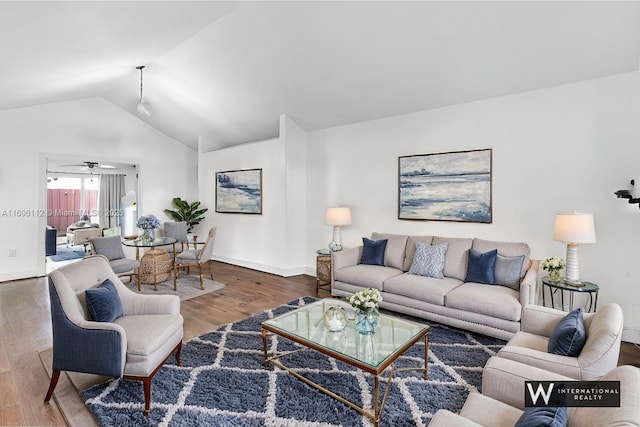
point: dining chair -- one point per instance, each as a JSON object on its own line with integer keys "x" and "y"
{"x": 195, "y": 258}
{"x": 111, "y": 248}
{"x": 177, "y": 230}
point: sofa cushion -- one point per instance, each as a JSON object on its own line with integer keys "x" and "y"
{"x": 429, "y": 260}
{"x": 543, "y": 417}
{"x": 373, "y": 251}
{"x": 411, "y": 249}
{"x": 367, "y": 276}
{"x": 421, "y": 288}
{"x": 508, "y": 270}
{"x": 482, "y": 266}
{"x": 569, "y": 336}
{"x": 455, "y": 264}
{"x": 395, "y": 251}
{"x": 506, "y": 249}
{"x": 496, "y": 301}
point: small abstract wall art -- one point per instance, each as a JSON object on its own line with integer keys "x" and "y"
{"x": 239, "y": 191}
{"x": 454, "y": 186}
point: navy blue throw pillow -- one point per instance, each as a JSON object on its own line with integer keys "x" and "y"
{"x": 482, "y": 267}
{"x": 103, "y": 302}
{"x": 543, "y": 416}
{"x": 373, "y": 251}
{"x": 568, "y": 337}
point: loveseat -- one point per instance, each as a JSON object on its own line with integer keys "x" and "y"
{"x": 492, "y": 308}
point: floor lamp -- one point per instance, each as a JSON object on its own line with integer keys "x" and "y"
{"x": 574, "y": 228}
{"x": 337, "y": 217}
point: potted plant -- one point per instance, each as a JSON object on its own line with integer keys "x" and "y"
{"x": 187, "y": 212}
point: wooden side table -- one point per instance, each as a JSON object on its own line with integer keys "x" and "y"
{"x": 560, "y": 286}
{"x": 323, "y": 271}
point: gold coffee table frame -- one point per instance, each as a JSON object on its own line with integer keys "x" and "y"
{"x": 305, "y": 326}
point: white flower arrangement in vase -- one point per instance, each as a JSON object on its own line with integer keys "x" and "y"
{"x": 366, "y": 300}
{"x": 553, "y": 266}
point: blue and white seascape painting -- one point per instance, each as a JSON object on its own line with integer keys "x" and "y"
{"x": 239, "y": 191}
{"x": 452, "y": 186}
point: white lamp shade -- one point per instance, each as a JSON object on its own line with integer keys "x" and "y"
{"x": 338, "y": 216}
{"x": 574, "y": 228}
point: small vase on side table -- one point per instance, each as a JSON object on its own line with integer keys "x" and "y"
{"x": 554, "y": 275}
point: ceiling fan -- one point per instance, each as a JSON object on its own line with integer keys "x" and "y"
{"x": 91, "y": 165}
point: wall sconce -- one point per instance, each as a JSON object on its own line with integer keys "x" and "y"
{"x": 574, "y": 228}
{"x": 337, "y": 217}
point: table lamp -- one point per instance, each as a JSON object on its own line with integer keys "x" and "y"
{"x": 574, "y": 228}
{"x": 337, "y": 217}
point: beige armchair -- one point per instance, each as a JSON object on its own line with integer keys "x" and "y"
{"x": 502, "y": 401}
{"x": 598, "y": 356}
{"x": 134, "y": 346}
{"x": 82, "y": 236}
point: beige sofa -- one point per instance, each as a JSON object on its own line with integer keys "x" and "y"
{"x": 488, "y": 309}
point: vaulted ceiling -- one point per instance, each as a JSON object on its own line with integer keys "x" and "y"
{"x": 225, "y": 71}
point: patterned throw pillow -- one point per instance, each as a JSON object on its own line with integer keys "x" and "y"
{"x": 429, "y": 260}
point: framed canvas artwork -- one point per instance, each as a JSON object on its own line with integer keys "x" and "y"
{"x": 454, "y": 186}
{"x": 239, "y": 191}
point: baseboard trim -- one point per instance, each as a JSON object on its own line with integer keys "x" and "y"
{"x": 284, "y": 272}
{"x": 631, "y": 335}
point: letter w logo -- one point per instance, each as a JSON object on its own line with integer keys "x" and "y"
{"x": 540, "y": 391}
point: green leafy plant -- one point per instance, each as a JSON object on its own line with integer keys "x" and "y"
{"x": 187, "y": 212}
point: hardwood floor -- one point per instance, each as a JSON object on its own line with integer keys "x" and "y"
{"x": 25, "y": 329}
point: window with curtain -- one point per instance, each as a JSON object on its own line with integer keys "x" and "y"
{"x": 112, "y": 189}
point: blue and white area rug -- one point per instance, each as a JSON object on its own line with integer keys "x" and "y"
{"x": 223, "y": 383}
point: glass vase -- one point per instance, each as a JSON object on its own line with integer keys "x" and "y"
{"x": 148, "y": 234}
{"x": 366, "y": 321}
{"x": 554, "y": 275}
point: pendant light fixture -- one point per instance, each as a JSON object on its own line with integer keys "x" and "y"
{"x": 141, "y": 108}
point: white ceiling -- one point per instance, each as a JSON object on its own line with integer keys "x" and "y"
{"x": 227, "y": 70}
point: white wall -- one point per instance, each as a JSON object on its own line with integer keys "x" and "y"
{"x": 90, "y": 129}
{"x": 554, "y": 150}
{"x": 274, "y": 241}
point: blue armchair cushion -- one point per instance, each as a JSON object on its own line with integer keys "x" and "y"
{"x": 103, "y": 302}
{"x": 373, "y": 251}
{"x": 543, "y": 416}
{"x": 569, "y": 336}
{"x": 482, "y": 267}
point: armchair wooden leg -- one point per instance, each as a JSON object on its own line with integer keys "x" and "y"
{"x": 178, "y": 353}
{"x": 146, "y": 382}
{"x": 55, "y": 375}
{"x": 201, "y": 277}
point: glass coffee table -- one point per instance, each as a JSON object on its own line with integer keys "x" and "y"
{"x": 370, "y": 353}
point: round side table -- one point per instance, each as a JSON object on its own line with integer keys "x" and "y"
{"x": 559, "y": 285}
